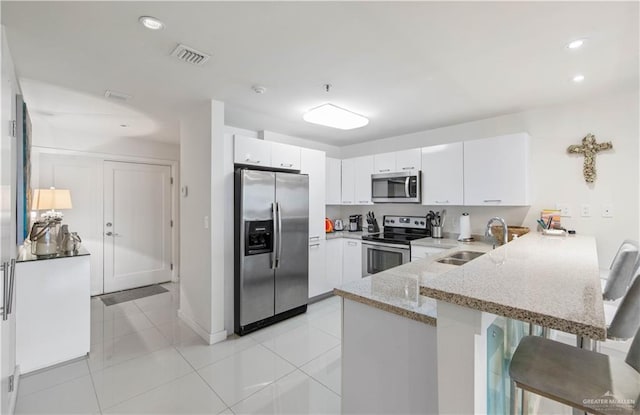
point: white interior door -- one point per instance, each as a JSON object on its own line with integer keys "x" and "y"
{"x": 137, "y": 225}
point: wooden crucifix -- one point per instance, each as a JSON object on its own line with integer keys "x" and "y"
{"x": 589, "y": 148}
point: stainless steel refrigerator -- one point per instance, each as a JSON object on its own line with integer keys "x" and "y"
{"x": 271, "y": 247}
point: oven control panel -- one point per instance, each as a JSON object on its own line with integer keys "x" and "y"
{"x": 410, "y": 222}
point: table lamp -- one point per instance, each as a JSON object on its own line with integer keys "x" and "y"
{"x": 51, "y": 199}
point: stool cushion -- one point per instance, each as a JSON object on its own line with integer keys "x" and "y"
{"x": 580, "y": 378}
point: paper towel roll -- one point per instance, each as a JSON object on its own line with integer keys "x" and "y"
{"x": 465, "y": 227}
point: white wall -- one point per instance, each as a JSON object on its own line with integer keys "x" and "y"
{"x": 557, "y": 176}
{"x": 201, "y": 255}
{"x": 47, "y": 136}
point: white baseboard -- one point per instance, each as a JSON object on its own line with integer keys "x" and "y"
{"x": 210, "y": 338}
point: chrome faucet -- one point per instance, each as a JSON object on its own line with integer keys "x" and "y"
{"x": 488, "y": 232}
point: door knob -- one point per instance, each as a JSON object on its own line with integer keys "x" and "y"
{"x": 109, "y": 224}
{"x": 109, "y": 233}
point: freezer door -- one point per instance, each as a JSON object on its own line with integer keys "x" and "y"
{"x": 292, "y": 241}
{"x": 255, "y": 277}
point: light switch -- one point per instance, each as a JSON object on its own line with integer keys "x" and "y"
{"x": 585, "y": 211}
{"x": 564, "y": 209}
{"x": 607, "y": 211}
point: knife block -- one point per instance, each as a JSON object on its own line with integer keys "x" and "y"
{"x": 373, "y": 227}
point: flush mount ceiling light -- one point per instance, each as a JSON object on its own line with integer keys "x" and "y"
{"x": 330, "y": 115}
{"x": 575, "y": 44}
{"x": 151, "y": 22}
{"x": 578, "y": 78}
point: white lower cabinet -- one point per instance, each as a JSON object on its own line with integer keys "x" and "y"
{"x": 53, "y": 307}
{"x": 351, "y": 260}
{"x": 421, "y": 252}
{"x": 317, "y": 268}
{"x": 334, "y": 262}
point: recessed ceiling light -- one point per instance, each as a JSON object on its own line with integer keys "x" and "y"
{"x": 151, "y": 22}
{"x": 330, "y": 115}
{"x": 578, "y": 78}
{"x": 575, "y": 44}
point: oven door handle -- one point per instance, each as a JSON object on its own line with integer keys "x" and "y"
{"x": 386, "y": 245}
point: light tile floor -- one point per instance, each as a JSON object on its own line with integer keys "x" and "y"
{"x": 144, "y": 360}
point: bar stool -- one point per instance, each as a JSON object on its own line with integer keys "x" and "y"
{"x": 621, "y": 270}
{"x": 626, "y": 320}
{"x": 583, "y": 379}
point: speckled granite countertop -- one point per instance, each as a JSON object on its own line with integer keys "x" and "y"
{"x": 344, "y": 234}
{"x": 550, "y": 281}
{"x": 397, "y": 290}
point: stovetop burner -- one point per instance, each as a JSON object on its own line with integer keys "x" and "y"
{"x": 401, "y": 230}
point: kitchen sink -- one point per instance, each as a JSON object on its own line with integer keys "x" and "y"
{"x": 460, "y": 257}
{"x": 466, "y": 255}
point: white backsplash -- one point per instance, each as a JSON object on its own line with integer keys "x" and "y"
{"x": 480, "y": 215}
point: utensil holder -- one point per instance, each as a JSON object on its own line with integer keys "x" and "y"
{"x": 436, "y": 232}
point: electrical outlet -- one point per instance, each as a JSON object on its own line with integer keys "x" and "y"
{"x": 607, "y": 211}
{"x": 564, "y": 209}
{"x": 585, "y": 211}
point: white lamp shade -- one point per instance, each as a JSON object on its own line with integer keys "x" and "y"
{"x": 51, "y": 199}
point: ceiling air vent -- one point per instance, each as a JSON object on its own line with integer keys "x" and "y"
{"x": 119, "y": 96}
{"x": 190, "y": 55}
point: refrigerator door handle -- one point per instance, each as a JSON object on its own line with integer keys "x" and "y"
{"x": 12, "y": 278}
{"x": 279, "y": 233}
{"x": 274, "y": 215}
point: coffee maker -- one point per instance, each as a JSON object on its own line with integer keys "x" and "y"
{"x": 355, "y": 223}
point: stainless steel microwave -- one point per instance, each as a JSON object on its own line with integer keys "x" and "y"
{"x": 401, "y": 187}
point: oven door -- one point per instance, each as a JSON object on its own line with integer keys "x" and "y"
{"x": 396, "y": 187}
{"x": 378, "y": 257}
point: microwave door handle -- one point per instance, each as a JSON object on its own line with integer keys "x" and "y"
{"x": 407, "y": 181}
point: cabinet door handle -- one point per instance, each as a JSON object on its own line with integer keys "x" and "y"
{"x": 384, "y": 170}
{"x": 492, "y": 200}
{"x": 346, "y": 202}
{"x": 286, "y": 165}
{"x": 5, "y": 289}
{"x": 314, "y": 245}
{"x": 248, "y": 159}
{"x": 444, "y": 201}
{"x": 12, "y": 278}
{"x": 408, "y": 168}
{"x": 352, "y": 243}
{"x": 314, "y": 238}
{"x": 365, "y": 201}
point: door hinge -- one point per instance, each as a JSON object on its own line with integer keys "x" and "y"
{"x": 171, "y": 180}
{"x": 172, "y": 224}
{"x": 12, "y": 128}
{"x": 171, "y": 267}
{"x": 11, "y": 383}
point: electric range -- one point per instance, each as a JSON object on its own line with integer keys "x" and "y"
{"x": 392, "y": 246}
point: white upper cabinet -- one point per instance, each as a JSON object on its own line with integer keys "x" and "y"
{"x": 348, "y": 182}
{"x": 408, "y": 160}
{"x": 251, "y": 151}
{"x": 397, "y": 161}
{"x": 442, "y": 175}
{"x": 363, "y": 171}
{"x": 496, "y": 171}
{"x": 384, "y": 163}
{"x": 333, "y": 183}
{"x": 313, "y": 164}
{"x": 285, "y": 156}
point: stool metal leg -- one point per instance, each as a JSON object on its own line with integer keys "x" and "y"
{"x": 513, "y": 399}
{"x": 525, "y": 402}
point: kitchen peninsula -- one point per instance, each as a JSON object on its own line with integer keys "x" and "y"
{"x": 432, "y": 320}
